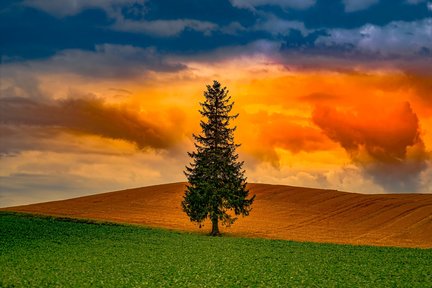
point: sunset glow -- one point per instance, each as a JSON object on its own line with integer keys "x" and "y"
{"x": 344, "y": 111}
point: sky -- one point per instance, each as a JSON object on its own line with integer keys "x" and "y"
{"x": 102, "y": 95}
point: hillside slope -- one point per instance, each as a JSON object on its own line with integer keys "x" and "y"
{"x": 281, "y": 212}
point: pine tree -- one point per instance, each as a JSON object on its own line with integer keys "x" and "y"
{"x": 217, "y": 185}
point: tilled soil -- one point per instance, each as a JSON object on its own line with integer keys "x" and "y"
{"x": 279, "y": 212}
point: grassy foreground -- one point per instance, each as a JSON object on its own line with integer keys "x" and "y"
{"x": 49, "y": 252}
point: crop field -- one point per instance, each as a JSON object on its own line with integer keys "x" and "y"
{"x": 280, "y": 212}
{"x": 50, "y": 252}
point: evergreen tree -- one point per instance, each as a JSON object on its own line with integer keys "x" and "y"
{"x": 217, "y": 185}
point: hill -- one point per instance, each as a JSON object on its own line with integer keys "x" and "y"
{"x": 279, "y": 211}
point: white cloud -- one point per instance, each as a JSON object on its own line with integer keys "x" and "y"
{"x": 348, "y": 178}
{"x": 357, "y": 5}
{"x": 251, "y": 4}
{"x": 396, "y": 38}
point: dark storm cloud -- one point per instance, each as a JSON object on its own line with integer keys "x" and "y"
{"x": 88, "y": 116}
{"x": 385, "y": 142}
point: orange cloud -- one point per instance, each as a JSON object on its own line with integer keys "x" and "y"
{"x": 385, "y": 141}
{"x": 263, "y": 133}
{"x": 94, "y": 117}
{"x": 276, "y": 128}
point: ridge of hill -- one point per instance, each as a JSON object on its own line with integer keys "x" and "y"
{"x": 279, "y": 212}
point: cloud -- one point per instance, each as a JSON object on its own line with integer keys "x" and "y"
{"x": 278, "y": 26}
{"x": 318, "y": 98}
{"x": 393, "y": 40}
{"x": 252, "y": 4}
{"x": 281, "y": 131}
{"x": 92, "y": 117}
{"x": 163, "y": 28}
{"x": 37, "y": 176}
{"x": 106, "y": 61}
{"x": 350, "y": 62}
{"x": 18, "y": 138}
{"x": 278, "y": 130}
{"x": 128, "y": 16}
{"x": 385, "y": 142}
{"x": 357, "y": 5}
{"x": 419, "y": 83}
{"x": 348, "y": 178}
{"x": 71, "y": 7}
{"x": 399, "y": 45}
{"x": 233, "y": 28}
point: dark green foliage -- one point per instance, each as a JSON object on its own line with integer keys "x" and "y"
{"x": 45, "y": 252}
{"x": 216, "y": 180}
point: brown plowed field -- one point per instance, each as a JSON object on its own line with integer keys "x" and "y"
{"x": 281, "y": 212}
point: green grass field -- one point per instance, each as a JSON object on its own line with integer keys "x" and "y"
{"x": 49, "y": 252}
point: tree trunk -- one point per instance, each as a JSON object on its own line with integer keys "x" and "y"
{"x": 215, "y": 227}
